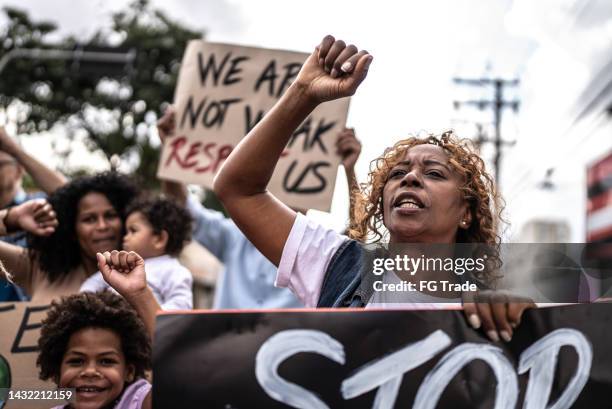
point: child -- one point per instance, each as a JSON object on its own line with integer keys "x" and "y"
{"x": 157, "y": 229}
{"x": 96, "y": 344}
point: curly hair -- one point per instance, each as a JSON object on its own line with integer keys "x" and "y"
{"x": 165, "y": 215}
{"x": 485, "y": 204}
{"x": 60, "y": 252}
{"x": 105, "y": 310}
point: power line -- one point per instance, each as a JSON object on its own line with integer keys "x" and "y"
{"x": 497, "y": 104}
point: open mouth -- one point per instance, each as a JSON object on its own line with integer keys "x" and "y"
{"x": 105, "y": 240}
{"x": 88, "y": 392}
{"x": 89, "y": 389}
{"x": 408, "y": 201}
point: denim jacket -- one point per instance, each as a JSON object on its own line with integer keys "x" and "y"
{"x": 346, "y": 282}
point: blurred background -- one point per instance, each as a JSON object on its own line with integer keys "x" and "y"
{"x": 83, "y": 83}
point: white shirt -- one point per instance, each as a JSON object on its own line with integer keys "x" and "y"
{"x": 306, "y": 256}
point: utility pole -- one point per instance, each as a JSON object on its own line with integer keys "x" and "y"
{"x": 498, "y": 104}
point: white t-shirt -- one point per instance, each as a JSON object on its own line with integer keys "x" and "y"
{"x": 306, "y": 256}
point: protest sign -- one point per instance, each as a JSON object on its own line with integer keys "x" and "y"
{"x": 222, "y": 92}
{"x": 599, "y": 201}
{"x": 599, "y": 217}
{"x": 383, "y": 359}
{"x": 20, "y": 323}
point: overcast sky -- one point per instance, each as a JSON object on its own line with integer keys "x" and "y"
{"x": 418, "y": 47}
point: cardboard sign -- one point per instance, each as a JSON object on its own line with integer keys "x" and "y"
{"x": 20, "y": 330}
{"x": 383, "y": 359}
{"x": 222, "y": 92}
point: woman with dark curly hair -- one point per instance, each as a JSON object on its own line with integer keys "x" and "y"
{"x": 96, "y": 344}
{"x": 91, "y": 212}
{"x": 431, "y": 191}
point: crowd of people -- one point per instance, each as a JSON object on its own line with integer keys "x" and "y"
{"x": 105, "y": 254}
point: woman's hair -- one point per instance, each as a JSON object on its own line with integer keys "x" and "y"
{"x": 104, "y": 310}
{"x": 165, "y": 215}
{"x": 5, "y": 274}
{"x": 60, "y": 252}
{"x": 478, "y": 190}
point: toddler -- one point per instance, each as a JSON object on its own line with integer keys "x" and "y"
{"x": 157, "y": 229}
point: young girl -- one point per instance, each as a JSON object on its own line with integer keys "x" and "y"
{"x": 96, "y": 344}
{"x": 157, "y": 229}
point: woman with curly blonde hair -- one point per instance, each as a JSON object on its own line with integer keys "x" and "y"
{"x": 477, "y": 189}
{"x": 423, "y": 191}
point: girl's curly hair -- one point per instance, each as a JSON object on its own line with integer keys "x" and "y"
{"x": 60, "y": 252}
{"x": 92, "y": 310}
{"x": 479, "y": 190}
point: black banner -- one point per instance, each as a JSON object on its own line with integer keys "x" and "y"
{"x": 558, "y": 356}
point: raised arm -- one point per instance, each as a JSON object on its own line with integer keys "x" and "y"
{"x": 125, "y": 272}
{"x": 349, "y": 149}
{"x": 34, "y": 216}
{"x": 175, "y": 190}
{"x": 166, "y": 127}
{"x": 210, "y": 228}
{"x": 334, "y": 70}
{"x": 44, "y": 177}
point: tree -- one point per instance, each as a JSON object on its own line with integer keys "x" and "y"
{"x": 116, "y": 108}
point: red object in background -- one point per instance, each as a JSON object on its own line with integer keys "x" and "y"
{"x": 599, "y": 201}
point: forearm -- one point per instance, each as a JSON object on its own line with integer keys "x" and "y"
{"x": 353, "y": 186}
{"x": 10, "y": 220}
{"x": 249, "y": 168}
{"x": 16, "y": 261}
{"x": 175, "y": 190}
{"x": 45, "y": 178}
{"x": 351, "y": 179}
{"x": 5, "y": 222}
{"x": 146, "y": 307}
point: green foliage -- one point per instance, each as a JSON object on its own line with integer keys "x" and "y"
{"x": 211, "y": 201}
{"x": 116, "y": 106}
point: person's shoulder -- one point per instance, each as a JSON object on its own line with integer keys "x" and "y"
{"x": 95, "y": 277}
{"x": 165, "y": 264}
{"x": 350, "y": 251}
{"x": 134, "y": 395}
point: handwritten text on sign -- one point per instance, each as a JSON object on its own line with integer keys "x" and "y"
{"x": 20, "y": 328}
{"x": 222, "y": 92}
{"x": 386, "y": 374}
{"x": 558, "y": 358}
